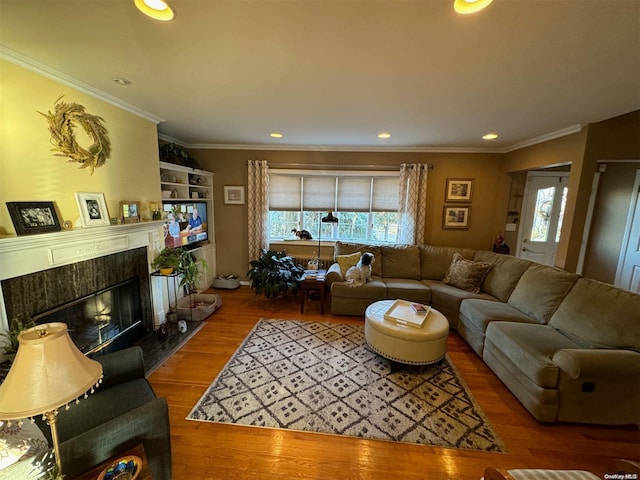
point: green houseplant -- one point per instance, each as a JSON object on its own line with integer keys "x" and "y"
{"x": 274, "y": 273}
{"x": 183, "y": 263}
{"x": 167, "y": 260}
{"x": 190, "y": 268}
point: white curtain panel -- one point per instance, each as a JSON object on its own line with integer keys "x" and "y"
{"x": 258, "y": 203}
{"x": 412, "y": 208}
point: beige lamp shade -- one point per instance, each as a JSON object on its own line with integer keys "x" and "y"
{"x": 49, "y": 371}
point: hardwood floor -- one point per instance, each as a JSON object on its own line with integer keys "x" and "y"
{"x": 219, "y": 451}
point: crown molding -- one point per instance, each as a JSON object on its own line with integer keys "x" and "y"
{"x": 399, "y": 149}
{"x": 39, "y": 68}
{"x": 545, "y": 138}
{"x": 338, "y": 148}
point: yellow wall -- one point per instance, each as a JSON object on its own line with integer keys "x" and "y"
{"x": 30, "y": 172}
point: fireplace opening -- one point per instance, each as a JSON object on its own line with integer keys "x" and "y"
{"x": 104, "y": 321}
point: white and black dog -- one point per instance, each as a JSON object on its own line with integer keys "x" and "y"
{"x": 360, "y": 273}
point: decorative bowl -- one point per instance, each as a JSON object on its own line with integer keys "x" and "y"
{"x": 125, "y": 468}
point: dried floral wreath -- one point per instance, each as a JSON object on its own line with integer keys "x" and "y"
{"x": 61, "y": 123}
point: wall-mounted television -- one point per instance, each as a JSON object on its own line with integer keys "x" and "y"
{"x": 185, "y": 223}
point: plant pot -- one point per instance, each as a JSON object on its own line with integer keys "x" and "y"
{"x": 166, "y": 270}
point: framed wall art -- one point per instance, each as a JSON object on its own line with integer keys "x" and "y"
{"x": 33, "y": 217}
{"x": 455, "y": 217}
{"x": 234, "y": 195}
{"x": 458, "y": 190}
{"x": 93, "y": 209}
{"x": 130, "y": 212}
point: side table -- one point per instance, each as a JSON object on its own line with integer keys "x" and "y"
{"x": 313, "y": 281}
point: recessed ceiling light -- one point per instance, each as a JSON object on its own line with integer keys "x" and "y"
{"x": 384, "y": 135}
{"x": 276, "y": 135}
{"x": 470, "y": 6}
{"x": 122, "y": 81}
{"x": 490, "y": 136}
{"x": 156, "y": 9}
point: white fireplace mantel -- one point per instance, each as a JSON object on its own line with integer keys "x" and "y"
{"x": 23, "y": 255}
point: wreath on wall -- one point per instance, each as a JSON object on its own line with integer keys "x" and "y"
{"x": 61, "y": 126}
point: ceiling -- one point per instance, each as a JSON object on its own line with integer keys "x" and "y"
{"x": 334, "y": 73}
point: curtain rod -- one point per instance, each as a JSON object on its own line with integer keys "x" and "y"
{"x": 312, "y": 166}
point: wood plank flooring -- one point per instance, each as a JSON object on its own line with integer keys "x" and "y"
{"x": 219, "y": 451}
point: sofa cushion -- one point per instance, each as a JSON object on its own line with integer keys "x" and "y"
{"x": 401, "y": 261}
{"x": 447, "y": 299}
{"x": 600, "y": 315}
{"x": 504, "y": 275}
{"x": 530, "y": 347}
{"x": 347, "y": 261}
{"x": 344, "y": 248}
{"x": 374, "y": 289}
{"x": 407, "y": 289}
{"x": 466, "y": 274}
{"x": 479, "y": 313}
{"x": 435, "y": 261}
{"x": 540, "y": 290}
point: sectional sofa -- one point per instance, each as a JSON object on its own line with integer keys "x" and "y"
{"x": 567, "y": 347}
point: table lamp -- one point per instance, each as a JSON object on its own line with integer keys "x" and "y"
{"x": 328, "y": 219}
{"x": 48, "y": 372}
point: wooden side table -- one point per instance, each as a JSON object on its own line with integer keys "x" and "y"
{"x": 138, "y": 451}
{"x": 313, "y": 281}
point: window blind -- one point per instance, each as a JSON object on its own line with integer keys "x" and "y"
{"x": 333, "y": 192}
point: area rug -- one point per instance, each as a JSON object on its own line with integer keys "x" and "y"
{"x": 322, "y": 377}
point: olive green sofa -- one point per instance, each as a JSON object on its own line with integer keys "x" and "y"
{"x": 567, "y": 347}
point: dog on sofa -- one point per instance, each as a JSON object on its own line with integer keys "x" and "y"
{"x": 360, "y": 273}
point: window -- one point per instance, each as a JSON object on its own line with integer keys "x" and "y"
{"x": 366, "y": 204}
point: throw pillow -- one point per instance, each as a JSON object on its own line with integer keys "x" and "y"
{"x": 347, "y": 261}
{"x": 466, "y": 274}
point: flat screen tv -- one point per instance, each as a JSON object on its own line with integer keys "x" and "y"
{"x": 185, "y": 223}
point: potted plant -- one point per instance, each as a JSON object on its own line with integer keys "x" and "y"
{"x": 190, "y": 269}
{"x": 274, "y": 273}
{"x": 167, "y": 261}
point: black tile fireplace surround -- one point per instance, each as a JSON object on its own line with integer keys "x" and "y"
{"x": 30, "y": 295}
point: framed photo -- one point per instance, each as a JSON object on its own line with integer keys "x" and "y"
{"x": 234, "y": 195}
{"x": 33, "y": 217}
{"x": 93, "y": 209}
{"x": 130, "y": 212}
{"x": 456, "y": 217}
{"x": 458, "y": 190}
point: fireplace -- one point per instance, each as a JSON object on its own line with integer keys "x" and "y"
{"x": 88, "y": 272}
{"x": 104, "y": 321}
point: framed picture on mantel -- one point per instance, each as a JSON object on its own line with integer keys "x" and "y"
{"x": 93, "y": 209}
{"x": 33, "y": 217}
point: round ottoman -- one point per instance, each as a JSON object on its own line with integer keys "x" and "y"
{"x": 404, "y": 344}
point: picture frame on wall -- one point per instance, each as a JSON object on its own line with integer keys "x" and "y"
{"x": 130, "y": 212}
{"x": 30, "y": 218}
{"x": 93, "y": 209}
{"x": 458, "y": 190}
{"x": 234, "y": 195}
{"x": 456, "y": 217}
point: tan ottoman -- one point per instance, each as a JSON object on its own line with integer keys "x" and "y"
{"x": 400, "y": 343}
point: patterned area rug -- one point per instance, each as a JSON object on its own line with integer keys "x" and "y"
{"x": 322, "y": 377}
